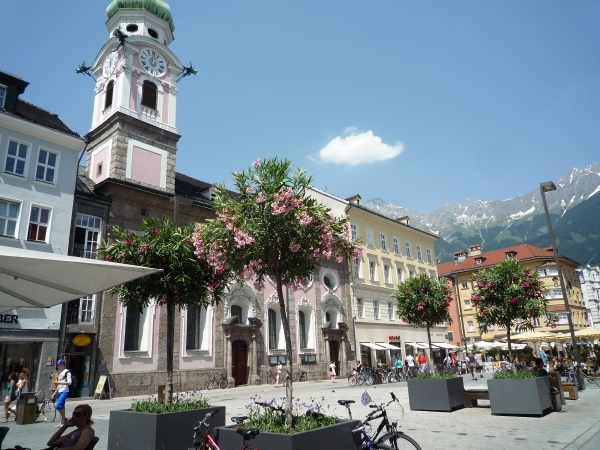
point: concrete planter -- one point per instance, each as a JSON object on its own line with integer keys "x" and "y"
{"x": 173, "y": 431}
{"x": 334, "y": 437}
{"x": 523, "y": 397}
{"x": 436, "y": 395}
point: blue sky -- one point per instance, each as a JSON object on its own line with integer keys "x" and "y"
{"x": 418, "y": 103}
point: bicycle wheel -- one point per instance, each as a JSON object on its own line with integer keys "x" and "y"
{"x": 223, "y": 383}
{"x": 210, "y": 384}
{"x": 48, "y": 411}
{"x": 370, "y": 379}
{"x": 384, "y": 378}
{"x": 402, "y": 441}
{"x": 352, "y": 380}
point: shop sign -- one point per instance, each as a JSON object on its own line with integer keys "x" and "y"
{"x": 81, "y": 340}
{"x": 394, "y": 338}
{"x": 9, "y": 318}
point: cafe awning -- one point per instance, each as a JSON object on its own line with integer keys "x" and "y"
{"x": 373, "y": 346}
{"x": 417, "y": 345}
{"x": 388, "y": 346}
{"x": 444, "y": 345}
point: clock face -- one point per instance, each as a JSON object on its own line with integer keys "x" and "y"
{"x": 109, "y": 64}
{"x": 153, "y": 62}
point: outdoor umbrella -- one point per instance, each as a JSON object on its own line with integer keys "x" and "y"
{"x": 588, "y": 333}
{"x": 532, "y": 336}
{"x": 31, "y": 279}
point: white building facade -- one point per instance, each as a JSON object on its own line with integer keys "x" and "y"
{"x": 589, "y": 277}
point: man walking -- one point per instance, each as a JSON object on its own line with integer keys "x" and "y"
{"x": 62, "y": 390}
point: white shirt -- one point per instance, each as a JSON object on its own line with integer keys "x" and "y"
{"x": 410, "y": 360}
{"x": 65, "y": 375}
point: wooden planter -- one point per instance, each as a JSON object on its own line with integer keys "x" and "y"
{"x": 144, "y": 431}
{"x": 334, "y": 437}
{"x": 436, "y": 395}
{"x": 523, "y": 397}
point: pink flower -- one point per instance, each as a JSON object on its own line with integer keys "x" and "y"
{"x": 261, "y": 198}
{"x": 250, "y": 189}
{"x": 305, "y": 219}
{"x": 144, "y": 248}
{"x": 526, "y": 284}
{"x": 110, "y": 257}
{"x": 513, "y": 300}
{"x": 127, "y": 242}
{"x": 490, "y": 285}
{"x": 256, "y": 163}
{"x": 294, "y": 247}
{"x": 420, "y": 308}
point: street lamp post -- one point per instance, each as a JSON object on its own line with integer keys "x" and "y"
{"x": 549, "y": 186}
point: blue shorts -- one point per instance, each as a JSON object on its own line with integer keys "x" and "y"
{"x": 60, "y": 401}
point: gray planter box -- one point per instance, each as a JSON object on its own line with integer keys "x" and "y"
{"x": 172, "y": 431}
{"x": 527, "y": 397}
{"x": 334, "y": 437}
{"x": 436, "y": 395}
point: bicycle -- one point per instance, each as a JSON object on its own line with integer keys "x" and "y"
{"x": 365, "y": 377}
{"x": 207, "y": 442}
{"x": 302, "y": 374}
{"x": 391, "y": 439}
{"x": 396, "y": 374}
{"x": 271, "y": 377}
{"x": 45, "y": 406}
{"x": 219, "y": 381}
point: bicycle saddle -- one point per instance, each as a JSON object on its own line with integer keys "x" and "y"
{"x": 248, "y": 434}
{"x": 345, "y": 402}
{"x": 239, "y": 419}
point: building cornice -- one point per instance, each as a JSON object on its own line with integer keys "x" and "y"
{"x": 41, "y": 132}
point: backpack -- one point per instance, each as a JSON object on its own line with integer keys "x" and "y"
{"x": 73, "y": 387}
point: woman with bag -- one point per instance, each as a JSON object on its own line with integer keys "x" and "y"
{"x": 12, "y": 393}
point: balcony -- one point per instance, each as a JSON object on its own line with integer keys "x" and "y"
{"x": 76, "y": 316}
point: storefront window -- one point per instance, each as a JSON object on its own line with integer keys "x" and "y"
{"x": 18, "y": 358}
{"x": 365, "y": 356}
{"x": 395, "y": 354}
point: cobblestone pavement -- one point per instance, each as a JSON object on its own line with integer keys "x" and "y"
{"x": 577, "y": 426}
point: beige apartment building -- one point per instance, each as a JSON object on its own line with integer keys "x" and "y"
{"x": 467, "y": 263}
{"x": 393, "y": 251}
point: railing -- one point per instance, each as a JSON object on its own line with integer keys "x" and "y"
{"x": 75, "y": 316}
{"x": 149, "y": 113}
{"x": 82, "y": 253}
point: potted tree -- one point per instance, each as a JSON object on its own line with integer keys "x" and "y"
{"x": 423, "y": 302}
{"x": 185, "y": 280}
{"x": 511, "y": 296}
{"x": 272, "y": 228}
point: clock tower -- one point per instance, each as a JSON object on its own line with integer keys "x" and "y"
{"x": 134, "y": 133}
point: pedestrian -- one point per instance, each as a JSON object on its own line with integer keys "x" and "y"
{"x": 278, "y": 370}
{"x": 472, "y": 365}
{"x": 422, "y": 360}
{"x": 332, "y": 371}
{"x": 79, "y": 438}
{"x": 12, "y": 393}
{"x": 545, "y": 358}
{"x": 62, "y": 390}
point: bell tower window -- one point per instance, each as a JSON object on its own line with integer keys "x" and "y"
{"x": 149, "y": 94}
{"x": 109, "y": 94}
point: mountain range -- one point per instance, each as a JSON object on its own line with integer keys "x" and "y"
{"x": 574, "y": 209}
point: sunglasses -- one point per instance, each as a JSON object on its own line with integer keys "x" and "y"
{"x": 77, "y": 414}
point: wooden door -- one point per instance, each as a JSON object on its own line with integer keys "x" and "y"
{"x": 239, "y": 362}
{"x": 334, "y": 352}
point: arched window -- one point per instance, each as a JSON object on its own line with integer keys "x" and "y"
{"x": 149, "y": 94}
{"x": 302, "y": 329}
{"x": 331, "y": 316}
{"x": 272, "y": 329}
{"x": 108, "y": 100}
{"x": 236, "y": 311}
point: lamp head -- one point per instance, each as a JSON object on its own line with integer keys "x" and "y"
{"x": 548, "y": 186}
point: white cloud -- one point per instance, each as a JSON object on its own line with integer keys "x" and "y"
{"x": 361, "y": 148}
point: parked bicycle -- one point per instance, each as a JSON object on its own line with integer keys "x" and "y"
{"x": 396, "y": 374}
{"x": 45, "y": 406}
{"x": 203, "y": 440}
{"x": 392, "y": 438}
{"x": 301, "y": 374}
{"x": 271, "y": 376}
{"x": 219, "y": 381}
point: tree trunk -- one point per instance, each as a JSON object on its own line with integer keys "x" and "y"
{"x": 510, "y": 359}
{"x": 288, "y": 351}
{"x": 170, "y": 339}
{"x": 430, "y": 359}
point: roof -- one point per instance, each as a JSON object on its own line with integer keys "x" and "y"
{"x": 157, "y": 7}
{"x": 192, "y": 188}
{"x": 31, "y": 113}
{"x": 523, "y": 252}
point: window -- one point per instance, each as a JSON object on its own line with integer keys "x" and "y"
{"x": 400, "y": 274}
{"x": 86, "y": 314}
{"x": 330, "y": 281}
{"x": 331, "y": 317}
{"x": 464, "y": 284}
{"x": 87, "y": 236}
{"x": 9, "y": 213}
{"x": 419, "y": 253}
{"x": 450, "y": 336}
{"x": 272, "y": 329}
{"x": 396, "y": 246}
{"x": 390, "y": 311}
{"x": 510, "y": 255}
{"x": 411, "y": 273}
{"x": 386, "y": 273}
{"x": 375, "y": 309}
{"x": 302, "y": 329}
{"x": 470, "y": 326}
{"x": 16, "y": 158}
{"x": 2, "y": 96}
{"x": 383, "y": 241}
{"x": 354, "y": 231}
{"x": 359, "y": 307}
{"x": 99, "y": 169}
{"x": 236, "y": 311}
{"x": 133, "y": 324}
{"x": 408, "y": 251}
{"x": 467, "y": 304}
{"x": 356, "y": 264}
{"x": 478, "y": 261}
{"x": 46, "y": 166}
{"x": 149, "y": 94}
{"x": 429, "y": 256}
{"x": 372, "y": 270}
{"x": 38, "y": 224}
{"x": 196, "y": 336}
{"x": 370, "y": 237}
{"x": 108, "y": 99}
{"x": 562, "y": 318}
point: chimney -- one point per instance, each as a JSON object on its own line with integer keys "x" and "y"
{"x": 460, "y": 256}
{"x": 355, "y": 199}
{"x": 404, "y": 219}
{"x": 475, "y": 250}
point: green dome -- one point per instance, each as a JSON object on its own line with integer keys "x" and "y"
{"x": 157, "y": 7}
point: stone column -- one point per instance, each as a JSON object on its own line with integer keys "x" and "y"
{"x": 228, "y": 360}
{"x": 343, "y": 356}
{"x": 254, "y": 378}
{"x": 327, "y": 356}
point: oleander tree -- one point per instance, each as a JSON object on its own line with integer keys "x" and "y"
{"x": 272, "y": 228}
{"x": 511, "y": 296}
{"x": 185, "y": 279}
{"x": 423, "y": 302}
